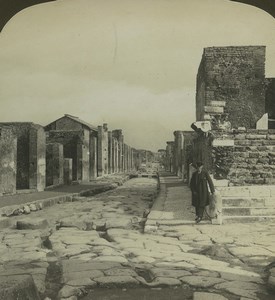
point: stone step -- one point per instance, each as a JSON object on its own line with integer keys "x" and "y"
{"x": 248, "y": 201}
{"x": 246, "y": 219}
{"x": 253, "y": 191}
{"x": 248, "y": 211}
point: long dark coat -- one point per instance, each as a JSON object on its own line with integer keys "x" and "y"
{"x": 199, "y": 188}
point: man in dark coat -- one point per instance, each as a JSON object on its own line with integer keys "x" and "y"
{"x": 199, "y": 187}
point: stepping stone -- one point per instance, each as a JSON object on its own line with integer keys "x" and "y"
{"x": 32, "y": 223}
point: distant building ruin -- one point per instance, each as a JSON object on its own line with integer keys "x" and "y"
{"x": 68, "y": 149}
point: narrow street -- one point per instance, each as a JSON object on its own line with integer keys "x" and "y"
{"x": 101, "y": 247}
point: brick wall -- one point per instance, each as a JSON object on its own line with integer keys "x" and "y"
{"x": 231, "y": 80}
{"x": 8, "y": 153}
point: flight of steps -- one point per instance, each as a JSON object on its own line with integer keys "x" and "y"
{"x": 248, "y": 204}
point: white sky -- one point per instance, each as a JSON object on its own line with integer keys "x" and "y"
{"x": 129, "y": 63}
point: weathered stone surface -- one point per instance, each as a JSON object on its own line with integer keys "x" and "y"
{"x": 33, "y": 207}
{"x": 116, "y": 281}
{"x": 116, "y": 259}
{"x": 120, "y": 272}
{"x": 87, "y": 282}
{"x": 207, "y": 296}
{"x": 70, "y": 266}
{"x": 239, "y": 288}
{"x": 26, "y": 209}
{"x": 32, "y": 223}
{"x": 165, "y": 281}
{"x": 161, "y": 272}
{"x": 119, "y": 222}
{"x": 18, "y": 287}
{"x": 68, "y": 291}
{"x": 201, "y": 281}
{"x": 241, "y": 275}
{"x": 83, "y": 223}
{"x": 181, "y": 264}
{"x": 68, "y": 276}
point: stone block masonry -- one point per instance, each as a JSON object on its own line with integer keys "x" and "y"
{"x": 249, "y": 158}
{"x": 235, "y": 77}
{"x": 8, "y": 154}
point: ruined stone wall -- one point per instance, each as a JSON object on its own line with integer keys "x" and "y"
{"x": 270, "y": 101}
{"x": 243, "y": 158}
{"x": 65, "y": 123}
{"x": 8, "y": 153}
{"x": 234, "y": 77}
{"x": 70, "y": 141}
{"x": 31, "y": 152}
{"x": 21, "y": 131}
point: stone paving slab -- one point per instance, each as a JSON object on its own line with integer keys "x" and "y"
{"x": 84, "y": 254}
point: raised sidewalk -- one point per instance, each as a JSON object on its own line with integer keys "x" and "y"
{"x": 173, "y": 205}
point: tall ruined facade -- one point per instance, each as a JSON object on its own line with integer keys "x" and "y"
{"x": 232, "y": 80}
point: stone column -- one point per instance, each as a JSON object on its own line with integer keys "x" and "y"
{"x": 170, "y": 156}
{"x": 119, "y": 136}
{"x": 37, "y": 158}
{"x": 54, "y": 164}
{"x": 125, "y": 153}
{"x": 93, "y": 155}
{"x": 102, "y": 147}
{"x": 110, "y": 153}
{"x": 79, "y": 153}
{"x": 129, "y": 158}
{"x": 114, "y": 154}
{"x": 178, "y": 151}
{"x": 85, "y": 176}
{"x": 68, "y": 170}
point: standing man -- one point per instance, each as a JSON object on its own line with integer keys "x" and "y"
{"x": 200, "y": 192}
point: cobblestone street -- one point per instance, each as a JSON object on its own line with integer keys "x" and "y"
{"x": 95, "y": 247}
